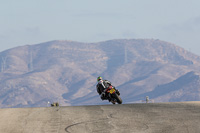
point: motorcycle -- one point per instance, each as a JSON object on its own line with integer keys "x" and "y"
{"x": 113, "y": 95}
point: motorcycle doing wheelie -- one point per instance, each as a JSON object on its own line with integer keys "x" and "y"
{"x": 112, "y": 95}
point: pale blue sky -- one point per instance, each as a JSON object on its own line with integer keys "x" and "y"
{"x": 35, "y": 21}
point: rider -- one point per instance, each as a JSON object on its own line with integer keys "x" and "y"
{"x": 102, "y": 86}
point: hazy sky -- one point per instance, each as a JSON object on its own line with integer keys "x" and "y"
{"x": 35, "y": 21}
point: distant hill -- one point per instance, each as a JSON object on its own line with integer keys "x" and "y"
{"x": 66, "y": 71}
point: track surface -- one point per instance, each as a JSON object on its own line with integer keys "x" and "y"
{"x": 127, "y": 118}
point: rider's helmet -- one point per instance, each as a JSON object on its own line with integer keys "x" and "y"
{"x": 99, "y": 78}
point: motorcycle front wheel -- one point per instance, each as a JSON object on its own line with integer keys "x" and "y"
{"x": 119, "y": 100}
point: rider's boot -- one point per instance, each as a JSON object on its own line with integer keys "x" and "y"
{"x": 117, "y": 91}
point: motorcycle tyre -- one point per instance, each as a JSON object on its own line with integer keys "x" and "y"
{"x": 119, "y": 100}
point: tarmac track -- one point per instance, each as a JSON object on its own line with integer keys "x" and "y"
{"x": 125, "y": 118}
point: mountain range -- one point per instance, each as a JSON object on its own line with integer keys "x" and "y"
{"x": 66, "y": 72}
